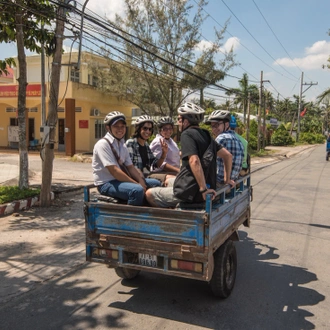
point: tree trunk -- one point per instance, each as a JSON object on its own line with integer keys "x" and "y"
{"x": 21, "y": 104}
{"x": 47, "y": 163}
{"x": 244, "y": 111}
{"x": 201, "y": 98}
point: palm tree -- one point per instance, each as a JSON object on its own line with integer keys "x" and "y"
{"x": 324, "y": 96}
{"x": 242, "y": 94}
{"x": 286, "y": 110}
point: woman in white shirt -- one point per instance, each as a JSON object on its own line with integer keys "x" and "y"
{"x": 171, "y": 164}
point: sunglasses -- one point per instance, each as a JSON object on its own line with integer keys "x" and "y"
{"x": 144, "y": 128}
{"x": 217, "y": 124}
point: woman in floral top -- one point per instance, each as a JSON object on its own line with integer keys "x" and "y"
{"x": 140, "y": 152}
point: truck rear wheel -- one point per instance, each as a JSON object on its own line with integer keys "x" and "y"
{"x": 127, "y": 273}
{"x": 224, "y": 273}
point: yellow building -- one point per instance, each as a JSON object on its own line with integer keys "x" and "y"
{"x": 91, "y": 105}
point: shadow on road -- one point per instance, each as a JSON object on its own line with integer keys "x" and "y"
{"x": 267, "y": 295}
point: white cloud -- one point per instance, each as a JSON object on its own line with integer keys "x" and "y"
{"x": 232, "y": 42}
{"x": 316, "y": 56}
{"x": 319, "y": 47}
{"x": 203, "y": 45}
{"x": 105, "y": 8}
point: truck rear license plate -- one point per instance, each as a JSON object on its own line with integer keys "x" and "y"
{"x": 146, "y": 259}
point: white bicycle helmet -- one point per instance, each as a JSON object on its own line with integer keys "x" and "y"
{"x": 143, "y": 119}
{"x": 165, "y": 121}
{"x": 218, "y": 115}
{"x": 192, "y": 112}
{"x": 113, "y": 117}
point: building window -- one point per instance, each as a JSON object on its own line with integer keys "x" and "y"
{"x": 78, "y": 109}
{"x": 136, "y": 112}
{"x": 33, "y": 110}
{"x": 92, "y": 80}
{"x": 13, "y": 122}
{"x": 10, "y": 109}
{"x": 75, "y": 75}
{"x": 99, "y": 128}
{"x": 60, "y": 109}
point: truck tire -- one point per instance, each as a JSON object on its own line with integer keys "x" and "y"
{"x": 127, "y": 273}
{"x": 224, "y": 273}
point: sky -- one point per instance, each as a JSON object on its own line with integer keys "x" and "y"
{"x": 281, "y": 38}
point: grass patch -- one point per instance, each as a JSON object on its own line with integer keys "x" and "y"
{"x": 262, "y": 153}
{"x": 13, "y": 193}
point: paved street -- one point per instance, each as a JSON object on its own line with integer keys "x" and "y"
{"x": 282, "y": 280}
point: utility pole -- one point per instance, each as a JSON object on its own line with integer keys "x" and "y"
{"x": 264, "y": 123}
{"x": 259, "y": 112}
{"x": 43, "y": 91}
{"x": 300, "y": 101}
{"x": 248, "y": 118}
{"x": 48, "y": 151}
{"x": 81, "y": 33}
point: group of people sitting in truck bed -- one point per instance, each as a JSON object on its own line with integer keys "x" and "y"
{"x": 144, "y": 174}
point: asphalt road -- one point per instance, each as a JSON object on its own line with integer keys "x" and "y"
{"x": 282, "y": 281}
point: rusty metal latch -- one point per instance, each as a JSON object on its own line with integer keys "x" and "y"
{"x": 185, "y": 248}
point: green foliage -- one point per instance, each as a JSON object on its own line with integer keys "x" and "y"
{"x": 157, "y": 84}
{"x": 311, "y": 138}
{"x": 207, "y": 127}
{"x": 4, "y": 64}
{"x": 288, "y": 126}
{"x": 33, "y": 13}
{"x": 252, "y": 143}
{"x": 254, "y": 128}
{"x": 281, "y": 137}
{"x": 13, "y": 193}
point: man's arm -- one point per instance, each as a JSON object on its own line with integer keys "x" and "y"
{"x": 197, "y": 170}
{"x": 227, "y": 161}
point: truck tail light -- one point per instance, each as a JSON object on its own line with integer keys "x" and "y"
{"x": 105, "y": 253}
{"x": 187, "y": 265}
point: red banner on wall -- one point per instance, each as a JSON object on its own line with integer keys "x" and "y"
{"x": 32, "y": 90}
{"x": 83, "y": 123}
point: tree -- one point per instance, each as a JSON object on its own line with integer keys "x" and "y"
{"x": 313, "y": 119}
{"x": 20, "y": 22}
{"x": 285, "y": 109}
{"x": 160, "y": 40}
{"x": 47, "y": 164}
{"x": 281, "y": 137}
{"x": 242, "y": 94}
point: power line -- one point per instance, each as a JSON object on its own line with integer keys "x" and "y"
{"x": 275, "y": 35}
{"x": 259, "y": 43}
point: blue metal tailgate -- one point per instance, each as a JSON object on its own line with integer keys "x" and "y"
{"x": 161, "y": 225}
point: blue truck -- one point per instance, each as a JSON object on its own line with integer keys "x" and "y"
{"x": 190, "y": 241}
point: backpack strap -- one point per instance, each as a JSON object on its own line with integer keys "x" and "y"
{"x": 121, "y": 164}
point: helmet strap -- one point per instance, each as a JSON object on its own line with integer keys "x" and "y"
{"x": 110, "y": 132}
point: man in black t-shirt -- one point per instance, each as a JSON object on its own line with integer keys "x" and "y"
{"x": 194, "y": 142}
